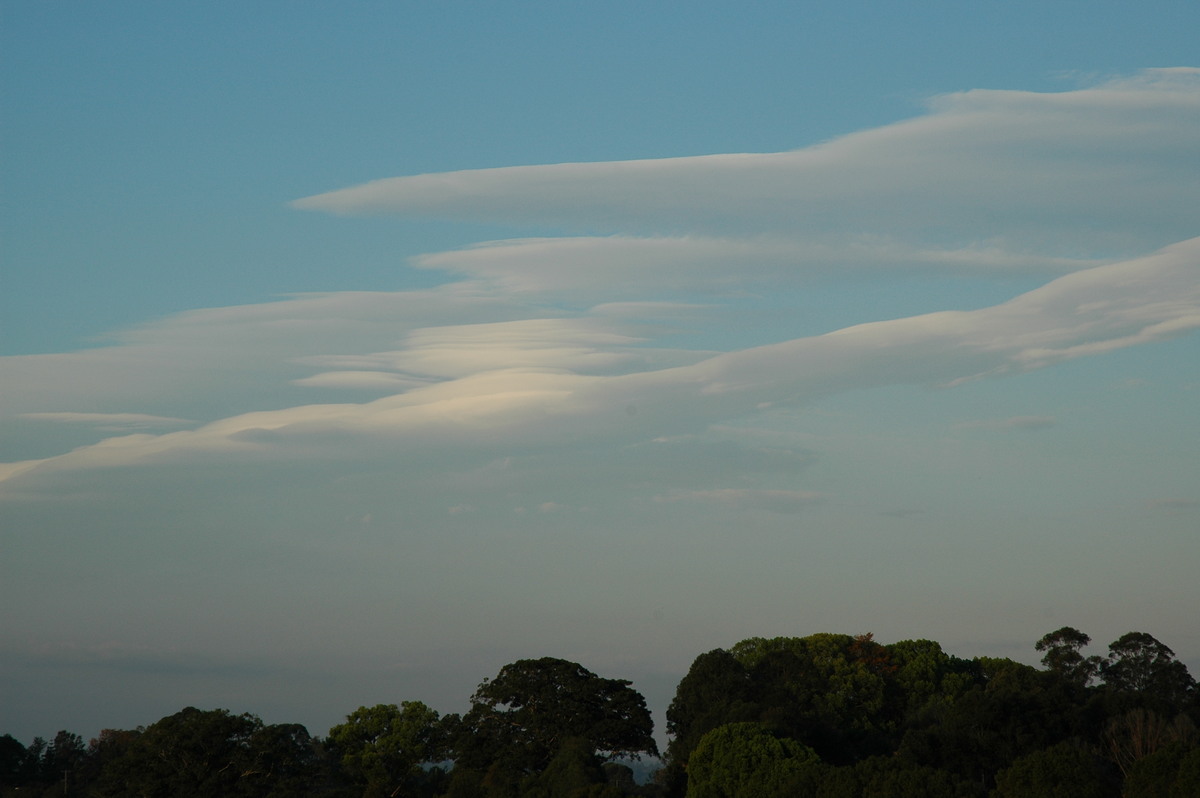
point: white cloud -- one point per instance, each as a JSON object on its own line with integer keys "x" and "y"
{"x": 360, "y": 380}
{"x": 1099, "y": 172}
{"x": 987, "y": 181}
{"x": 508, "y": 396}
{"x": 582, "y": 345}
{"x": 634, "y": 267}
{"x": 110, "y": 422}
{"x": 539, "y": 426}
{"x": 218, "y": 361}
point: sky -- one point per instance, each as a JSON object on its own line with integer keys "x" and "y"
{"x": 349, "y": 352}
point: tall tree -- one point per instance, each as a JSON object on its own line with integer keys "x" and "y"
{"x": 1063, "y": 655}
{"x": 206, "y": 754}
{"x": 827, "y": 690}
{"x": 383, "y": 747}
{"x": 926, "y": 679}
{"x": 283, "y": 761}
{"x": 1138, "y": 663}
{"x": 1132, "y": 736}
{"x": 65, "y": 760}
{"x": 522, "y": 718}
{"x": 191, "y": 754}
{"x": 12, "y": 763}
{"x": 1017, "y": 710}
{"x": 716, "y": 690}
{"x": 574, "y": 772}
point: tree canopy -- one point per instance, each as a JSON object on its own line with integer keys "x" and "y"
{"x": 828, "y": 715}
{"x": 533, "y": 706}
{"x": 383, "y": 747}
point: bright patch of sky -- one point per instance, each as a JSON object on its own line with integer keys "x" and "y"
{"x": 351, "y": 353}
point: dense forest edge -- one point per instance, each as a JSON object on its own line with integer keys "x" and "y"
{"x": 827, "y": 716}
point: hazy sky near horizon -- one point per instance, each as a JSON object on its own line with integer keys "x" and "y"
{"x": 348, "y": 353}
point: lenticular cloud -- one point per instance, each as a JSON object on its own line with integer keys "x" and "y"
{"x": 1089, "y": 171}
{"x": 516, "y": 397}
{"x": 569, "y": 341}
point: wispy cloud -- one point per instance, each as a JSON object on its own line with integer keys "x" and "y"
{"x": 360, "y": 380}
{"x": 622, "y": 267}
{"x": 110, "y": 422}
{"x": 1024, "y": 175}
{"x": 551, "y": 343}
{"x": 509, "y": 395}
{"x": 568, "y": 413}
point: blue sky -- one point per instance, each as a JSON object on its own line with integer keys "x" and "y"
{"x": 351, "y": 352}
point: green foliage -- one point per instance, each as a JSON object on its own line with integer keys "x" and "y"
{"x": 828, "y": 691}
{"x": 189, "y": 754}
{"x": 926, "y": 681}
{"x": 620, "y": 777}
{"x": 383, "y": 747}
{"x": 574, "y": 772}
{"x": 465, "y": 783}
{"x": 1187, "y": 779}
{"x": 203, "y": 754}
{"x": 12, "y": 758}
{"x": 1016, "y": 711}
{"x": 1139, "y": 733}
{"x": 920, "y": 667}
{"x": 1063, "y": 655}
{"x": 1153, "y": 776}
{"x": 890, "y": 777}
{"x": 66, "y": 754}
{"x": 716, "y": 690}
{"x": 828, "y": 715}
{"x": 282, "y": 762}
{"x": 1139, "y": 664}
{"x": 1066, "y": 770}
{"x": 520, "y": 720}
{"x": 744, "y": 760}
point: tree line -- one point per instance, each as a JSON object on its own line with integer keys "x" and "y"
{"x": 826, "y": 716}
